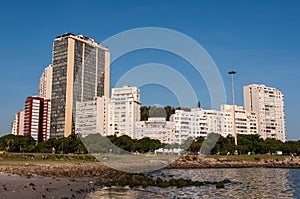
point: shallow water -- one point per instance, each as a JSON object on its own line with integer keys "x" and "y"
{"x": 245, "y": 183}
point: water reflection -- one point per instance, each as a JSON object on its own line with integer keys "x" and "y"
{"x": 123, "y": 193}
{"x": 246, "y": 183}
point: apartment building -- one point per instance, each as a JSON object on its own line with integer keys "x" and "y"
{"x": 245, "y": 122}
{"x": 45, "y": 88}
{"x": 37, "y": 118}
{"x": 80, "y": 71}
{"x": 268, "y": 105}
{"x": 189, "y": 124}
{"x": 124, "y": 111}
{"x": 91, "y": 117}
{"x": 199, "y": 122}
{"x": 156, "y": 128}
{"x": 18, "y": 124}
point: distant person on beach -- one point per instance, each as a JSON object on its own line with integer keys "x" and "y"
{"x": 53, "y": 150}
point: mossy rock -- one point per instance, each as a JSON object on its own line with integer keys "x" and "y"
{"x": 144, "y": 183}
{"x": 197, "y": 183}
{"x": 158, "y": 180}
{"x": 173, "y": 182}
{"x": 220, "y": 185}
{"x": 164, "y": 184}
{"x": 181, "y": 182}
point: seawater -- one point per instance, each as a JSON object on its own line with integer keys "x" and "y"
{"x": 245, "y": 183}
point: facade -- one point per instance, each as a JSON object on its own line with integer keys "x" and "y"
{"x": 156, "y": 128}
{"x": 268, "y": 104}
{"x": 215, "y": 121}
{"x": 245, "y": 122}
{"x": 91, "y": 117}
{"x": 124, "y": 111}
{"x": 46, "y": 83}
{"x": 37, "y": 118}
{"x": 18, "y": 124}
{"x": 80, "y": 72}
{"x": 199, "y": 122}
{"x": 189, "y": 124}
{"x": 103, "y": 110}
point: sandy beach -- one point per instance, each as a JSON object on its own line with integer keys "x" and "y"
{"x": 14, "y": 186}
{"x": 44, "y": 180}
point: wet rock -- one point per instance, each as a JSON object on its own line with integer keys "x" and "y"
{"x": 220, "y": 185}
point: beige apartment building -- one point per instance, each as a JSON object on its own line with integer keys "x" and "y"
{"x": 268, "y": 104}
{"x": 245, "y": 122}
{"x": 17, "y": 127}
{"x": 92, "y": 117}
{"x": 80, "y": 72}
{"x": 46, "y": 83}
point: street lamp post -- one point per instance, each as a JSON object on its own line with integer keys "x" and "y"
{"x": 233, "y": 106}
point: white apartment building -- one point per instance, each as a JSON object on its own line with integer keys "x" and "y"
{"x": 46, "y": 83}
{"x": 215, "y": 121}
{"x": 124, "y": 111}
{"x": 268, "y": 104}
{"x": 18, "y": 124}
{"x": 245, "y": 122}
{"x": 156, "y": 128}
{"x": 199, "y": 122}
{"x": 252, "y": 123}
{"x": 91, "y": 117}
{"x": 189, "y": 124}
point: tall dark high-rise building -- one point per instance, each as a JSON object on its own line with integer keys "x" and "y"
{"x": 81, "y": 71}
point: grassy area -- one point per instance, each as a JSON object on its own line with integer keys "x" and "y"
{"x": 133, "y": 158}
{"x": 34, "y": 158}
{"x": 247, "y": 158}
{"x": 47, "y": 157}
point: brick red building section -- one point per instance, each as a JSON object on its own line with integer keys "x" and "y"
{"x": 36, "y": 118}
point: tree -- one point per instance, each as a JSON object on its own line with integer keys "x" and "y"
{"x": 169, "y": 111}
{"x": 198, "y": 104}
{"x": 187, "y": 143}
{"x": 17, "y": 143}
{"x": 144, "y": 113}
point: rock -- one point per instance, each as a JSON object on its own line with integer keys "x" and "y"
{"x": 181, "y": 183}
{"x": 158, "y": 180}
{"x": 220, "y": 185}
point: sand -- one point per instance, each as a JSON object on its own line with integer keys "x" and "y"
{"x": 15, "y": 186}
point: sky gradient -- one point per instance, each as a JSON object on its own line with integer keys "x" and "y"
{"x": 258, "y": 39}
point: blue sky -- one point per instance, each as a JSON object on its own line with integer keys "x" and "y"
{"x": 259, "y": 39}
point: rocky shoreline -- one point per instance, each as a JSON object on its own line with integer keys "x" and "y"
{"x": 98, "y": 169}
{"x": 190, "y": 162}
{"x": 77, "y": 180}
